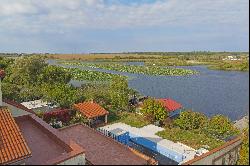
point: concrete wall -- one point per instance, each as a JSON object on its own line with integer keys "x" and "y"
{"x": 77, "y": 160}
{"x": 225, "y": 156}
{"x": 16, "y": 111}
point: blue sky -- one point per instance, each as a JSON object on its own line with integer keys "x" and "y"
{"x": 82, "y": 26}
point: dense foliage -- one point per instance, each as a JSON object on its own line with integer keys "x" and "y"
{"x": 65, "y": 116}
{"x": 234, "y": 65}
{"x": 119, "y": 93}
{"x": 5, "y": 62}
{"x": 30, "y": 78}
{"x": 192, "y": 138}
{"x": 189, "y": 120}
{"x": 153, "y": 110}
{"x": 221, "y": 127}
{"x": 244, "y": 151}
{"x": 196, "y": 130}
{"x": 63, "y": 94}
{"x": 51, "y": 74}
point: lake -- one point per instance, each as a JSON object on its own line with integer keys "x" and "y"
{"x": 211, "y": 91}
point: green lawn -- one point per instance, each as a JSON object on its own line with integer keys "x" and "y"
{"x": 131, "y": 119}
{"x": 193, "y": 139}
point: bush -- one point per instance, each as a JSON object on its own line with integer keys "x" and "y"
{"x": 221, "y": 127}
{"x": 40, "y": 114}
{"x": 78, "y": 118}
{"x": 153, "y": 110}
{"x": 60, "y": 115}
{"x": 244, "y": 151}
{"x": 189, "y": 120}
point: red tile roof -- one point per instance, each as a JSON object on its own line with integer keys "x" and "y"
{"x": 102, "y": 150}
{"x": 48, "y": 146}
{"x": 170, "y": 104}
{"x": 13, "y": 146}
{"x": 18, "y": 105}
{"x": 90, "y": 109}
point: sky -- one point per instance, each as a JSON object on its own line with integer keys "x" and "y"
{"x": 87, "y": 26}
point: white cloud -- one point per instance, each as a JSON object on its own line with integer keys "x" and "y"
{"x": 62, "y": 15}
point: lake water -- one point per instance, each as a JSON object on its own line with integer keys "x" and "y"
{"x": 211, "y": 91}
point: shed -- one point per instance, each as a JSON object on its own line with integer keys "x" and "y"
{"x": 173, "y": 107}
{"x": 93, "y": 111}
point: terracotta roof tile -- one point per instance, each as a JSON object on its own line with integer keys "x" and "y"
{"x": 12, "y": 144}
{"x": 90, "y": 109}
{"x": 170, "y": 104}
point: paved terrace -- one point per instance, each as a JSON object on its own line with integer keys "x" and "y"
{"x": 46, "y": 144}
{"x": 101, "y": 150}
{"x": 149, "y": 132}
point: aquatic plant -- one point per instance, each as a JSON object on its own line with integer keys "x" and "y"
{"x": 149, "y": 70}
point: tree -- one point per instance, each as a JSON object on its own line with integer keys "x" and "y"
{"x": 11, "y": 91}
{"x": 26, "y": 70}
{"x": 153, "y": 110}
{"x": 54, "y": 74}
{"x": 189, "y": 120}
{"x": 5, "y": 62}
{"x": 119, "y": 93}
{"x": 63, "y": 94}
{"x": 221, "y": 127}
{"x": 97, "y": 92}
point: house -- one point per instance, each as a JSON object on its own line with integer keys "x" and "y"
{"x": 93, "y": 112}
{"x": 13, "y": 147}
{"x": 76, "y": 145}
{"x": 231, "y": 58}
{"x": 28, "y": 140}
{"x": 172, "y": 107}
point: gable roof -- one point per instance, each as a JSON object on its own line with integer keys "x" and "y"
{"x": 18, "y": 105}
{"x": 170, "y": 104}
{"x": 13, "y": 146}
{"x": 90, "y": 109}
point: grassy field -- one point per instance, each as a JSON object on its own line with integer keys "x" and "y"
{"x": 132, "y": 119}
{"x": 99, "y": 56}
{"x": 231, "y": 66}
{"x": 213, "y": 59}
